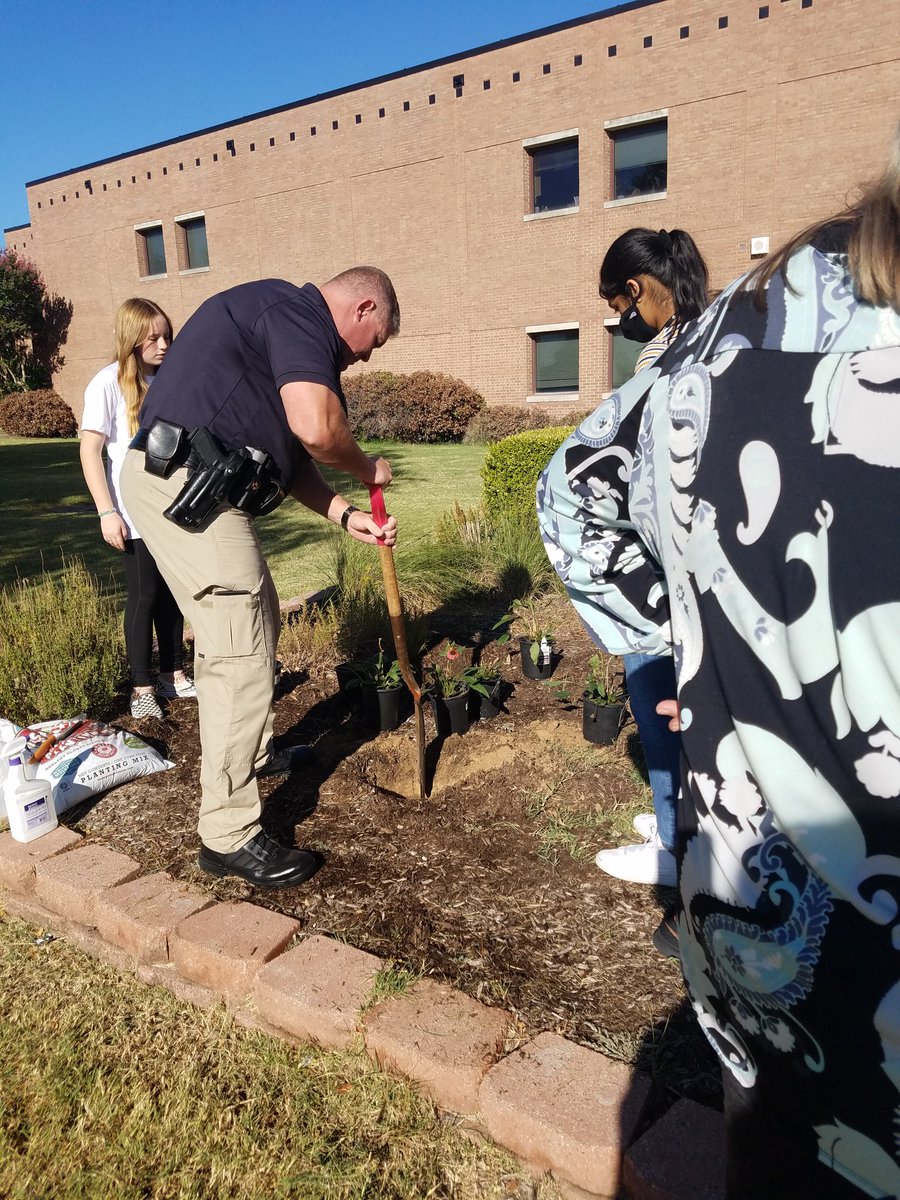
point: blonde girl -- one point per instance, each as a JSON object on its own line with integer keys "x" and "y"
{"x": 112, "y": 403}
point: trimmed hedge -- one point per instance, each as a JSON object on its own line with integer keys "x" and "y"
{"x": 421, "y": 407}
{"x": 40, "y": 414}
{"x": 512, "y": 466}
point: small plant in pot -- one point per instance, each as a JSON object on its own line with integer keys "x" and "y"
{"x": 536, "y": 646}
{"x": 449, "y": 690}
{"x": 381, "y": 685}
{"x": 485, "y": 685}
{"x": 604, "y": 702}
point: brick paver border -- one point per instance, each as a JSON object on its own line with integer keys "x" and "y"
{"x": 559, "y": 1106}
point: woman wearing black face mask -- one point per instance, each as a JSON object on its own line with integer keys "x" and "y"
{"x": 655, "y": 281}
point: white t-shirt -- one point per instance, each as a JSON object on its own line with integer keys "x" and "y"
{"x": 104, "y": 412}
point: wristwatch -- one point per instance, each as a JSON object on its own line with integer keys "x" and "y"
{"x": 346, "y": 514}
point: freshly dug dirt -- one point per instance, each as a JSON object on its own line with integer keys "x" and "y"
{"x": 488, "y": 885}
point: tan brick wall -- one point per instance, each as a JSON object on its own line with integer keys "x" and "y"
{"x": 771, "y": 123}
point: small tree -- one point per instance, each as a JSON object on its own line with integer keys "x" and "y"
{"x": 34, "y": 325}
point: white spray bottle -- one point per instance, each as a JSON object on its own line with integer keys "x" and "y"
{"x": 29, "y": 802}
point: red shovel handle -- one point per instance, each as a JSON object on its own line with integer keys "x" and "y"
{"x": 379, "y": 512}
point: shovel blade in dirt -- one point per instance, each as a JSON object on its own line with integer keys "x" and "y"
{"x": 398, "y": 629}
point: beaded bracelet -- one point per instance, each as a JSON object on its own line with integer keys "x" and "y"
{"x": 110, "y": 512}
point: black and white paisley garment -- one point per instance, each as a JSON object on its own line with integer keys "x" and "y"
{"x": 752, "y": 483}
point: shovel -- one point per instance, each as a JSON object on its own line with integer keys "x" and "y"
{"x": 398, "y": 629}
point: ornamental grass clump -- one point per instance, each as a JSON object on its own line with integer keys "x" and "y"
{"x": 61, "y": 647}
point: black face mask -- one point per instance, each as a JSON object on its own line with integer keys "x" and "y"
{"x": 633, "y": 326}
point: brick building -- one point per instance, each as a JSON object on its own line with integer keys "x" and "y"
{"x": 489, "y": 184}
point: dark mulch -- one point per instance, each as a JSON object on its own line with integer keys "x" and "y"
{"x": 461, "y": 887}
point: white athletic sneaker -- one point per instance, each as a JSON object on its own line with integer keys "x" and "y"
{"x": 181, "y": 689}
{"x": 645, "y": 825}
{"x": 649, "y": 862}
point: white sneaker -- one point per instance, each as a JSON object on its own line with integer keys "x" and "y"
{"x": 181, "y": 689}
{"x": 645, "y": 825}
{"x": 649, "y": 862}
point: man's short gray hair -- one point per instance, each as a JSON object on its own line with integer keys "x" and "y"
{"x": 372, "y": 281}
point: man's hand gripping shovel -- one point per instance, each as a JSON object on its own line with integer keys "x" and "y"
{"x": 398, "y": 628}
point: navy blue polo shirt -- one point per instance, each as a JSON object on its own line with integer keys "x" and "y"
{"x": 225, "y": 367}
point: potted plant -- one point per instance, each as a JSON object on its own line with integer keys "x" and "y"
{"x": 604, "y": 703}
{"x": 449, "y": 690}
{"x": 537, "y": 647}
{"x": 381, "y": 684}
{"x": 485, "y": 684}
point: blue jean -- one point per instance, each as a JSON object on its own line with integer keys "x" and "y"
{"x": 651, "y": 678}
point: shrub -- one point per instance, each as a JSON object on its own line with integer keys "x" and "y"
{"x": 497, "y": 421}
{"x": 421, "y": 407}
{"x": 369, "y": 408}
{"x": 40, "y": 414}
{"x": 61, "y": 647}
{"x": 511, "y": 469}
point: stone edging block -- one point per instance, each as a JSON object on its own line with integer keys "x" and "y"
{"x": 18, "y": 859}
{"x": 70, "y": 883}
{"x": 315, "y": 990}
{"x": 439, "y": 1037}
{"x": 565, "y": 1109}
{"x": 222, "y": 947}
{"x": 680, "y": 1157}
{"x": 141, "y": 915}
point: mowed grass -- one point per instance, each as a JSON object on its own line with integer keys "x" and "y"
{"x": 113, "y": 1089}
{"x": 48, "y": 514}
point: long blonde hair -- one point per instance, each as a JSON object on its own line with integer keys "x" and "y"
{"x": 134, "y": 323}
{"x": 873, "y": 250}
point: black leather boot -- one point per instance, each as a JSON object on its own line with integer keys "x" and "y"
{"x": 264, "y": 862}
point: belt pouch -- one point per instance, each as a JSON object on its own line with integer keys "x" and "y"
{"x": 167, "y": 447}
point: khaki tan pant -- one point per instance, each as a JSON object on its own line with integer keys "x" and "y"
{"x": 222, "y": 585}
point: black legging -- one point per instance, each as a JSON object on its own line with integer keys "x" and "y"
{"x": 149, "y": 602}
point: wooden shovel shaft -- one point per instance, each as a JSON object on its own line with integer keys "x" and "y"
{"x": 395, "y": 612}
{"x": 398, "y": 629}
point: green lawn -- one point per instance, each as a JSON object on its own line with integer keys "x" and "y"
{"x": 48, "y": 513}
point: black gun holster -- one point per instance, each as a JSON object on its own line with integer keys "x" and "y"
{"x": 244, "y": 478}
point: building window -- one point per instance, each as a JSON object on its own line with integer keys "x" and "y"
{"x": 763, "y": 12}
{"x": 432, "y": 98}
{"x": 554, "y": 174}
{"x": 623, "y": 355}
{"x": 684, "y": 32}
{"x": 193, "y": 252}
{"x": 334, "y": 124}
{"x": 486, "y": 85}
{"x": 555, "y": 361}
{"x": 516, "y": 76}
{"x": 648, "y": 41}
{"x": 577, "y": 60}
{"x": 406, "y": 106}
{"x": 723, "y": 22}
{"x": 381, "y": 112}
{"x": 611, "y": 51}
{"x": 459, "y": 81}
{"x": 546, "y": 68}
{"x": 639, "y": 159}
{"x": 359, "y": 118}
{"x": 151, "y": 251}
{"x": 293, "y": 136}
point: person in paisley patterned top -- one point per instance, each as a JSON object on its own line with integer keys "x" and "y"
{"x": 749, "y": 478}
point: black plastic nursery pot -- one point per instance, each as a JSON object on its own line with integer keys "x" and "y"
{"x": 451, "y": 713}
{"x": 546, "y": 663}
{"x": 485, "y": 708}
{"x": 601, "y": 722}
{"x": 381, "y": 707}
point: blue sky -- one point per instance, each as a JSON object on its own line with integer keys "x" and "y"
{"x": 87, "y": 79}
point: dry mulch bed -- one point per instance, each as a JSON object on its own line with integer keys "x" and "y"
{"x": 470, "y": 886}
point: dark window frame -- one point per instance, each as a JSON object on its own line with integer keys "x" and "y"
{"x": 657, "y": 184}
{"x": 534, "y": 153}
{"x": 547, "y": 337}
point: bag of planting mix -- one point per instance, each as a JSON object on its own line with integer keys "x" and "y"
{"x": 89, "y": 757}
